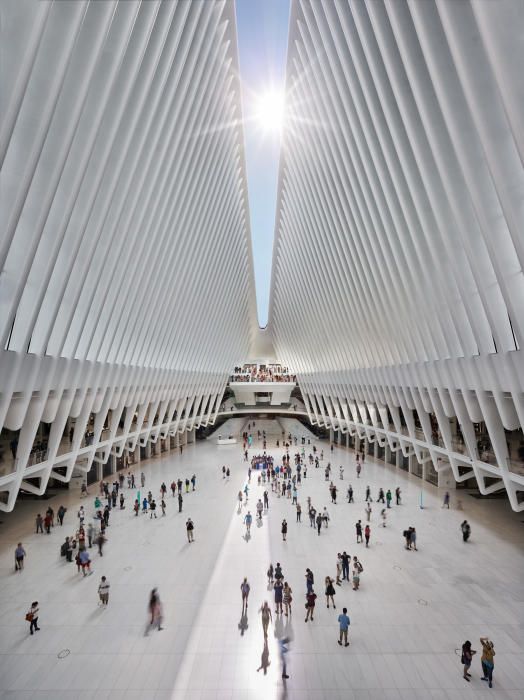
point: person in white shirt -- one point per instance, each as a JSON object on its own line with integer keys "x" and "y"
{"x": 32, "y": 617}
{"x": 103, "y": 591}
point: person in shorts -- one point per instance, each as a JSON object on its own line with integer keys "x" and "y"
{"x": 103, "y": 591}
{"x": 343, "y": 622}
{"x": 19, "y": 557}
{"x": 466, "y": 659}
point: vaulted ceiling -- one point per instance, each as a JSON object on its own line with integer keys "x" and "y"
{"x": 126, "y": 283}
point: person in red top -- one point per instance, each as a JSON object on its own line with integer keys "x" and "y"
{"x": 367, "y": 534}
{"x": 47, "y": 523}
{"x": 311, "y": 596}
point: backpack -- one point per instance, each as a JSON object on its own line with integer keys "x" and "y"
{"x": 360, "y": 567}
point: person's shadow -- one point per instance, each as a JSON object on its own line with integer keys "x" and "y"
{"x": 279, "y": 627}
{"x": 264, "y": 659}
{"x": 247, "y": 536}
{"x": 259, "y": 522}
{"x": 243, "y": 625}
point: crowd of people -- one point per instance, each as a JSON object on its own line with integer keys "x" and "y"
{"x": 91, "y": 531}
{"x": 262, "y": 373}
{"x": 283, "y": 478}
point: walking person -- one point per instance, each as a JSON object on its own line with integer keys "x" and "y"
{"x": 60, "y": 514}
{"x": 283, "y": 649}
{"x": 287, "y": 598}
{"x": 388, "y": 498}
{"x": 311, "y": 596}
{"x": 343, "y": 625}
{"x": 445, "y": 503}
{"x": 299, "y": 513}
{"x": 310, "y": 580}
{"x": 244, "y": 589}
{"x": 155, "y": 612}
{"x": 270, "y": 572}
{"x": 20, "y": 553}
{"x": 180, "y": 501}
{"x": 413, "y": 539}
{"x": 152, "y": 509}
{"x": 266, "y": 617}
{"x": 368, "y": 512}
{"x": 358, "y": 528}
{"x": 383, "y": 515}
{"x": 248, "y": 519}
{"x": 466, "y": 530}
{"x": 368, "y": 494}
{"x": 356, "y": 575}
{"x": 90, "y": 534}
{"x": 319, "y": 522}
{"x": 39, "y": 524}
{"x": 279, "y": 576}
{"x": 330, "y": 592}
{"x": 346, "y": 559}
{"x": 32, "y": 617}
{"x": 339, "y": 569}
{"x": 397, "y": 495}
{"x": 189, "y": 530}
{"x": 367, "y": 534}
{"x": 103, "y": 591}
{"x": 466, "y": 659}
{"x": 284, "y": 530}
{"x": 488, "y": 652}
{"x": 100, "y": 541}
{"x": 350, "y": 494}
{"x": 85, "y": 562}
{"x": 278, "y": 588}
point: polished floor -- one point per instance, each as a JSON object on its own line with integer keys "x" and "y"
{"x": 412, "y": 613}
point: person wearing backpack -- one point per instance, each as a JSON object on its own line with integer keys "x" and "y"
{"x": 189, "y": 529}
{"x": 356, "y": 576}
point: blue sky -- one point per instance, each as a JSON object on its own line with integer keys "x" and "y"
{"x": 262, "y": 44}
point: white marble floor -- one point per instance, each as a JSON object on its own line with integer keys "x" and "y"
{"x": 414, "y": 609}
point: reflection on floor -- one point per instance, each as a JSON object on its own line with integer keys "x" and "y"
{"x": 412, "y": 612}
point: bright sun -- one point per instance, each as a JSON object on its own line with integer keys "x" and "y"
{"x": 269, "y": 110}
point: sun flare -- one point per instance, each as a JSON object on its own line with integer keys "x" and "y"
{"x": 269, "y": 110}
